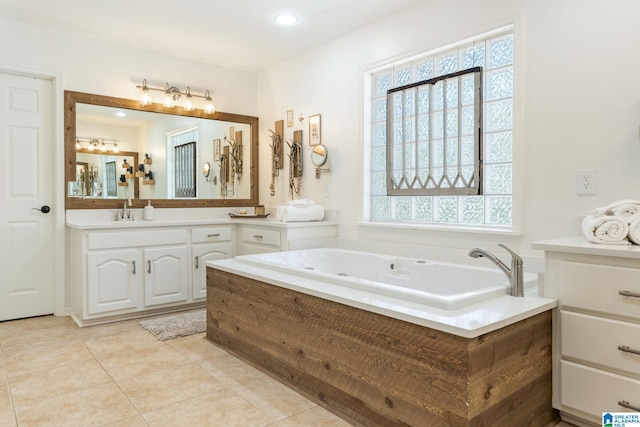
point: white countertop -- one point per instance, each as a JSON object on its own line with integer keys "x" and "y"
{"x": 104, "y": 219}
{"x": 580, "y": 245}
{"x": 469, "y": 322}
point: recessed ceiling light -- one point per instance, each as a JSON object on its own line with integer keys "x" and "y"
{"x": 286, "y": 19}
{"x": 121, "y": 114}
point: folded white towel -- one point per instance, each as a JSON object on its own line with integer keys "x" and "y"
{"x": 300, "y": 202}
{"x": 297, "y": 214}
{"x": 606, "y": 229}
{"x": 622, "y": 208}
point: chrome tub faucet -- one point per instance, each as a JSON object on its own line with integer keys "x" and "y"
{"x": 514, "y": 273}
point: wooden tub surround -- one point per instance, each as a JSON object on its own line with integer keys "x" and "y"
{"x": 373, "y": 370}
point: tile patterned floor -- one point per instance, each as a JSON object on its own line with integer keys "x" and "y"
{"x": 53, "y": 373}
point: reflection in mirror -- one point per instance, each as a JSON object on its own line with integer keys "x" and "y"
{"x": 100, "y": 130}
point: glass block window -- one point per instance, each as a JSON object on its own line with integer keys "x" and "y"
{"x": 492, "y": 52}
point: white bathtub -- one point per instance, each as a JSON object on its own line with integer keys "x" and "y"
{"x": 441, "y": 285}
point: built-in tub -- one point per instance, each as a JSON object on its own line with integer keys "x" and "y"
{"x": 377, "y": 360}
{"x": 437, "y": 284}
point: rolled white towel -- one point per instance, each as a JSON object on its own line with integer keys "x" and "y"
{"x": 606, "y": 229}
{"x": 619, "y": 208}
{"x": 298, "y": 214}
{"x": 634, "y": 230}
{"x": 629, "y": 212}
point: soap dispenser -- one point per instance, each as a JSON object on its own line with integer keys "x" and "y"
{"x": 148, "y": 212}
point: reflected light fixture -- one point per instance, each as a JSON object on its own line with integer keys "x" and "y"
{"x": 96, "y": 144}
{"x": 173, "y": 96}
{"x": 286, "y": 19}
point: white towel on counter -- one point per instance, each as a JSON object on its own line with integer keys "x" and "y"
{"x": 606, "y": 229}
{"x": 627, "y": 209}
{"x": 297, "y": 214}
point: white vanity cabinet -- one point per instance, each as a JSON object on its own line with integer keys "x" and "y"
{"x": 124, "y": 270}
{"x": 255, "y": 238}
{"x": 597, "y": 329}
{"x": 128, "y": 272}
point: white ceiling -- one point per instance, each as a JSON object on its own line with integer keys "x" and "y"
{"x": 234, "y": 33}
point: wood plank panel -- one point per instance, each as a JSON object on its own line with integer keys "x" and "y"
{"x": 374, "y": 370}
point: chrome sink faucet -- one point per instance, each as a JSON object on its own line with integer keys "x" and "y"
{"x": 126, "y": 214}
{"x": 514, "y": 273}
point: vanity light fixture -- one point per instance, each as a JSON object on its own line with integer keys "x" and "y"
{"x": 96, "y": 144}
{"x": 172, "y": 96}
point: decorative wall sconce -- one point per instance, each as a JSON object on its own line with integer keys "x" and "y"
{"x": 172, "y": 96}
{"x": 92, "y": 145}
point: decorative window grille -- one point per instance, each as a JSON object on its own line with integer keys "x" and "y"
{"x": 184, "y": 166}
{"x": 434, "y": 146}
{"x": 494, "y": 53}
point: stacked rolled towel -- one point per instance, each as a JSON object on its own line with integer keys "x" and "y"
{"x": 607, "y": 229}
{"x": 300, "y": 210}
{"x": 616, "y": 224}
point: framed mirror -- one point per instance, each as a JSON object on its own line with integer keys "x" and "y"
{"x": 152, "y": 153}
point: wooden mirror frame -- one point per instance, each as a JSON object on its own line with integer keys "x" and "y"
{"x": 72, "y": 98}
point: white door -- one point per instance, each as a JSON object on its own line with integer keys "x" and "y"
{"x": 26, "y": 183}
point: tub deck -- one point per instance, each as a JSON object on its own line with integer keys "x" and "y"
{"x": 374, "y": 370}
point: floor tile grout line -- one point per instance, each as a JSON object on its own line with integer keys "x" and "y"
{"x": 6, "y": 377}
{"x": 114, "y": 383}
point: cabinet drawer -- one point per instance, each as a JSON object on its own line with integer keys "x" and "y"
{"x": 594, "y": 391}
{"x": 210, "y": 234}
{"x": 595, "y": 287}
{"x": 596, "y": 340}
{"x": 135, "y": 239}
{"x": 258, "y": 235}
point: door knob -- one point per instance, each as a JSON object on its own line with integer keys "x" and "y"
{"x": 44, "y": 209}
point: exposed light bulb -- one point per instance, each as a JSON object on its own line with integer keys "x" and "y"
{"x": 145, "y": 97}
{"x": 209, "y": 108}
{"x": 115, "y": 147}
{"x": 188, "y": 103}
{"x": 78, "y": 146}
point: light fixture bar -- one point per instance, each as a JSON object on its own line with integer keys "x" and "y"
{"x": 173, "y": 94}
{"x": 96, "y": 144}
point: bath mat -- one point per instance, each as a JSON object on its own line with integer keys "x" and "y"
{"x": 179, "y": 325}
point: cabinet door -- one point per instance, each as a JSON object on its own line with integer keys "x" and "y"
{"x": 202, "y": 254}
{"x": 113, "y": 280}
{"x": 166, "y": 275}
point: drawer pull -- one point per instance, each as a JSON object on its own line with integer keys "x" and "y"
{"x": 197, "y": 262}
{"x": 626, "y": 404}
{"x": 257, "y": 236}
{"x": 627, "y": 349}
{"x": 213, "y": 235}
{"x": 629, "y": 294}
{"x": 134, "y": 267}
{"x": 149, "y": 266}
